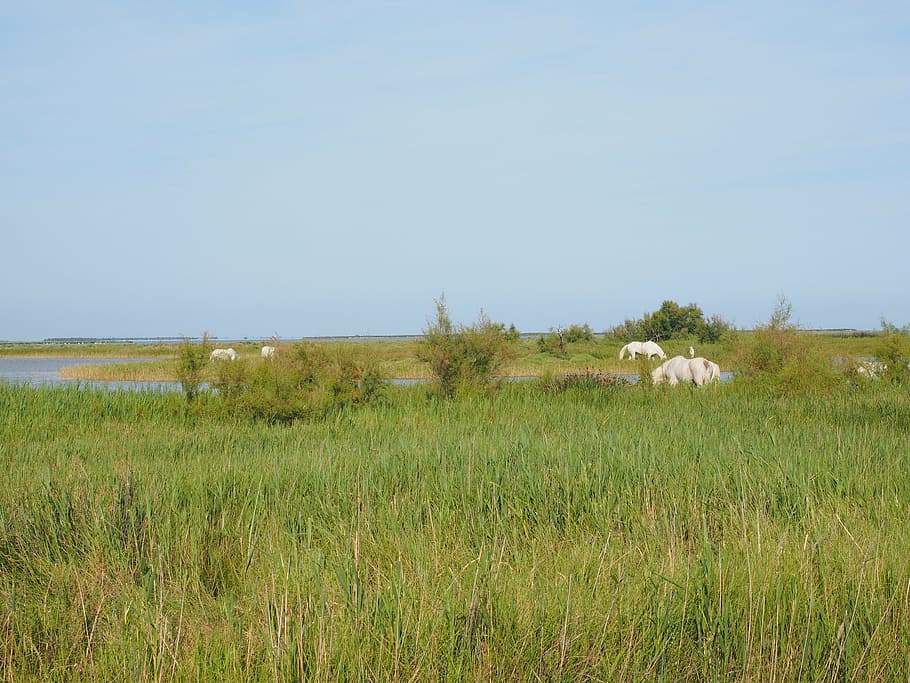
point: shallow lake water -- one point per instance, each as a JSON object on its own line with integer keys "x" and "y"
{"x": 41, "y": 371}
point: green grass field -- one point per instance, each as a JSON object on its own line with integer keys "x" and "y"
{"x": 612, "y": 534}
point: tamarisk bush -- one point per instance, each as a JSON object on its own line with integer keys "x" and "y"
{"x": 462, "y": 356}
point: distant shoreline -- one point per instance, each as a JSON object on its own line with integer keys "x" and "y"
{"x": 91, "y": 341}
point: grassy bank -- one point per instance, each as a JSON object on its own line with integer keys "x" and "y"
{"x": 398, "y": 359}
{"x": 99, "y": 350}
{"x": 607, "y": 534}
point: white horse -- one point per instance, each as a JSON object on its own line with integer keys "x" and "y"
{"x": 871, "y": 368}
{"x": 648, "y": 348}
{"x": 697, "y": 371}
{"x": 268, "y": 351}
{"x": 223, "y": 354}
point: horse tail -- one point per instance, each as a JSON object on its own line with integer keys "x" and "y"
{"x": 622, "y": 351}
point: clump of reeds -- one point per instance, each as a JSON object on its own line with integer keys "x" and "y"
{"x": 586, "y": 379}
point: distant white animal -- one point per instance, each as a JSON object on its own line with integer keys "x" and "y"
{"x": 691, "y": 352}
{"x": 223, "y": 354}
{"x": 268, "y": 351}
{"x": 648, "y": 348}
{"x": 698, "y": 371}
{"x": 871, "y": 368}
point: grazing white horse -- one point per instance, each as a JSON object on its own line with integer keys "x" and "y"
{"x": 268, "y": 351}
{"x": 871, "y": 368}
{"x": 648, "y": 348}
{"x": 697, "y": 371}
{"x": 223, "y": 354}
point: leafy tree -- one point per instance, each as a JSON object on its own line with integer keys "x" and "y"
{"x": 713, "y": 330}
{"x": 672, "y": 321}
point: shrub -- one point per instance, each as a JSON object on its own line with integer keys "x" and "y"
{"x": 778, "y": 357}
{"x": 191, "y": 363}
{"x": 894, "y": 352}
{"x": 463, "y": 356}
{"x": 553, "y": 343}
{"x": 307, "y": 381}
{"x": 559, "y": 337}
{"x": 577, "y": 333}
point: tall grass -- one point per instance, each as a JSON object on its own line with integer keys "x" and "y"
{"x": 525, "y": 535}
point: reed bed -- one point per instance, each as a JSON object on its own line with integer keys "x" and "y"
{"x": 616, "y": 533}
{"x": 130, "y": 371}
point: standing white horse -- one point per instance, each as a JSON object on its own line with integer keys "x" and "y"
{"x": 698, "y": 371}
{"x": 648, "y": 348}
{"x": 268, "y": 351}
{"x": 223, "y": 354}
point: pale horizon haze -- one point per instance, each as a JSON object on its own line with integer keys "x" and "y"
{"x": 300, "y": 169}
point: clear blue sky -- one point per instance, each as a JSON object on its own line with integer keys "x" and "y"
{"x": 292, "y": 169}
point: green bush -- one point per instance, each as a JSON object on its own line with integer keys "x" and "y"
{"x": 463, "y": 356}
{"x": 556, "y": 342}
{"x": 894, "y": 352}
{"x": 577, "y": 333}
{"x": 553, "y": 343}
{"x": 778, "y": 357}
{"x": 306, "y": 381}
{"x": 191, "y": 363}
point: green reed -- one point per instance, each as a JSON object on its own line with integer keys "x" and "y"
{"x": 612, "y": 533}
